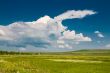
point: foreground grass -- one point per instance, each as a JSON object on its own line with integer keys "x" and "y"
{"x": 49, "y": 64}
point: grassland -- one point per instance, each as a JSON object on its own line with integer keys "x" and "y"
{"x": 83, "y": 61}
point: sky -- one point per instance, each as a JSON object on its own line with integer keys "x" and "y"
{"x": 54, "y": 25}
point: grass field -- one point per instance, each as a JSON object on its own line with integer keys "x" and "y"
{"x": 63, "y": 63}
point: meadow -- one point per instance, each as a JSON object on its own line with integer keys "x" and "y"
{"x": 68, "y": 62}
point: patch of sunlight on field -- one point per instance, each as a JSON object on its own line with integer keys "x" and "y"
{"x": 2, "y": 60}
{"x": 71, "y": 60}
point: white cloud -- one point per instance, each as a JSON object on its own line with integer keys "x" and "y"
{"x": 44, "y": 19}
{"x": 45, "y": 32}
{"x": 61, "y": 46}
{"x": 71, "y": 14}
{"x": 2, "y": 32}
{"x": 107, "y": 46}
{"x": 68, "y": 46}
{"x": 99, "y": 34}
{"x": 60, "y": 41}
{"x": 22, "y": 49}
{"x": 71, "y": 35}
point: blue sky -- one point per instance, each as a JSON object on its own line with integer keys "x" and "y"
{"x": 96, "y": 26}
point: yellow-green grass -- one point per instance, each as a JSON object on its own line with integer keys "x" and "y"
{"x": 47, "y": 64}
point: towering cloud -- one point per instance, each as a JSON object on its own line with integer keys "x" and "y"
{"x": 44, "y": 33}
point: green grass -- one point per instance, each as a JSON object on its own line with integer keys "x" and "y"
{"x": 41, "y": 64}
{"x": 83, "y": 62}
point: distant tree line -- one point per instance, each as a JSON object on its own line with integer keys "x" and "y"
{"x": 16, "y": 53}
{"x": 30, "y": 53}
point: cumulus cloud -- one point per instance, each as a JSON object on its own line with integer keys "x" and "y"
{"x": 99, "y": 34}
{"x": 73, "y": 36}
{"x": 46, "y": 32}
